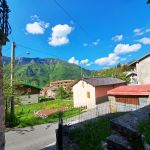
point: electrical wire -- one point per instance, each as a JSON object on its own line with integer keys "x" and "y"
{"x": 71, "y": 17}
{"x": 35, "y": 50}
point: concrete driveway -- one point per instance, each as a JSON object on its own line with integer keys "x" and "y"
{"x": 36, "y": 138}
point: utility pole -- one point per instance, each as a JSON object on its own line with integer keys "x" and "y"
{"x": 81, "y": 72}
{"x": 12, "y": 80}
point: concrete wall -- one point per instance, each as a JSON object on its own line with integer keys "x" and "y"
{"x": 80, "y": 95}
{"x": 50, "y": 93}
{"x": 143, "y": 71}
{"x": 123, "y": 107}
{"x": 29, "y": 99}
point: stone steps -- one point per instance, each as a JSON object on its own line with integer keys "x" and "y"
{"x": 118, "y": 142}
{"x": 126, "y": 132}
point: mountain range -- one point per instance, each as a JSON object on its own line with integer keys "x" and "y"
{"x": 40, "y": 71}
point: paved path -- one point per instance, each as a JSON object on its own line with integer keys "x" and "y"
{"x": 42, "y": 137}
{"x": 36, "y": 138}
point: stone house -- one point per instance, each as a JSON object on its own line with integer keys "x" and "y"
{"x": 88, "y": 92}
{"x": 128, "y": 98}
{"x": 141, "y": 71}
{"x": 50, "y": 91}
{"x": 29, "y": 94}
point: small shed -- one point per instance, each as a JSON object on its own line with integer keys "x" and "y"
{"x": 29, "y": 93}
{"x": 88, "y": 92}
{"x": 128, "y": 98}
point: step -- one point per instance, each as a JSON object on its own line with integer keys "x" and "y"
{"x": 126, "y": 124}
{"x": 117, "y": 142}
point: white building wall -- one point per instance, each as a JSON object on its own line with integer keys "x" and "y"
{"x": 29, "y": 99}
{"x": 143, "y": 71}
{"x": 80, "y": 95}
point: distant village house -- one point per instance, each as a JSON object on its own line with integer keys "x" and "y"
{"x": 29, "y": 93}
{"x": 50, "y": 91}
{"x": 141, "y": 71}
{"x": 88, "y": 92}
{"x": 129, "y": 98}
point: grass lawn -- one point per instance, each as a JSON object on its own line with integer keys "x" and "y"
{"x": 25, "y": 114}
{"x": 144, "y": 128}
{"x": 91, "y": 133}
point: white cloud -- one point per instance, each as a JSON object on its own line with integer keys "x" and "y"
{"x": 84, "y": 62}
{"x": 138, "y": 31}
{"x": 85, "y": 44}
{"x": 144, "y": 40}
{"x": 89, "y": 64}
{"x": 126, "y": 48}
{"x": 72, "y": 60}
{"x": 147, "y": 30}
{"x": 105, "y": 68}
{"x": 60, "y": 35}
{"x": 123, "y": 59}
{"x": 117, "y": 38}
{"x": 111, "y": 59}
{"x": 36, "y": 27}
{"x": 95, "y": 43}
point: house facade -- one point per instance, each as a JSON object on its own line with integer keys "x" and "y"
{"x": 29, "y": 94}
{"x": 88, "y": 92}
{"x": 50, "y": 91}
{"x": 129, "y": 98}
{"x": 141, "y": 71}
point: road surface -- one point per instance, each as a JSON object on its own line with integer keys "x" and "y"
{"x": 43, "y": 137}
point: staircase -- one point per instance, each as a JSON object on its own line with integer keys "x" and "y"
{"x": 125, "y": 135}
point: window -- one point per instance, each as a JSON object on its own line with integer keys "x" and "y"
{"x": 88, "y": 94}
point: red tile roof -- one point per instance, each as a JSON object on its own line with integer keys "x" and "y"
{"x": 131, "y": 90}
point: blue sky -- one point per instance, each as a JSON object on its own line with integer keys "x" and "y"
{"x": 95, "y": 34}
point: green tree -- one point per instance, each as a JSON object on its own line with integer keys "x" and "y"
{"x": 9, "y": 120}
{"x": 118, "y": 72}
{"x": 61, "y": 93}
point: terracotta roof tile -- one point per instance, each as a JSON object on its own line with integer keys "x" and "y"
{"x": 131, "y": 90}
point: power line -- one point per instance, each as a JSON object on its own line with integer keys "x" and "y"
{"x": 70, "y": 16}
{"x": 36, "y": 50}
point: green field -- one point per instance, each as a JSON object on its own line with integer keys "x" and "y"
{"x": 25, "y": 114}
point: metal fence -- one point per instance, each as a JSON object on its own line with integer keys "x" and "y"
{"x": 101, "y": 110}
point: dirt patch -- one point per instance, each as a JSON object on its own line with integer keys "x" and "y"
{"x": 47, "y": 112}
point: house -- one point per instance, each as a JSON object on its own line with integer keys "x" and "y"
{"x": 141, "y": 70}
{"x": 128, "y": 98}
{"x": 132, "y": 76}
{"x": 50, "y": 91}
{"x": 88, "y": 92}
{"x": 29, "y": 94}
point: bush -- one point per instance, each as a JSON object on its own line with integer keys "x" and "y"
{"x": 61, "y": 93}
